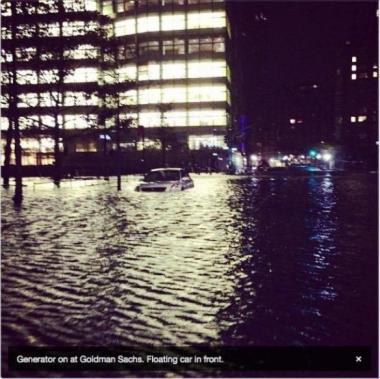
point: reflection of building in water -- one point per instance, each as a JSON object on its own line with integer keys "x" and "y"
{"x": 174, "y": 51}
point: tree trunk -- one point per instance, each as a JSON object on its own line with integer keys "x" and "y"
{"x": 118, "y": 157}
{"x": 57, "y": 157}
{"x": 14, "y": 116}
{"x": 7, "y": 156}
{"x": 163, "y": 147}
{"x": 105, "y": 161}
{"x": 17, "y": 198}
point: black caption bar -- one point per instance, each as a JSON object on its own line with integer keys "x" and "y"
{"x": 196, "y": 358}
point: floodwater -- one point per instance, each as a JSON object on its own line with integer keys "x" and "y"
{"x": 233, "y": 261}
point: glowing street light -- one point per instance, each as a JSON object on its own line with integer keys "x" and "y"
{"x": 327, "y": 157}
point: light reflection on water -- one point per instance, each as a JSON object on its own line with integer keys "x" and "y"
{"x": 233, "y": 261}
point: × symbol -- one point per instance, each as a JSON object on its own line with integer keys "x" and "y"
{"x": 358, "y": 359}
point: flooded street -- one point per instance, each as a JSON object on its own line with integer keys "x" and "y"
{"x": 233, "y": 261}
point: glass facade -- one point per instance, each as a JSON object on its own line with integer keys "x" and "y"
{"x": 179, "y": 61}
{"x": 173, "y": 51}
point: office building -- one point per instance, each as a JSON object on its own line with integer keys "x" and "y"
{"x": 173, "y": 54}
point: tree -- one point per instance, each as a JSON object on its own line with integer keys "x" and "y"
{"x": 114, "y": 94}
{"x": 38, "y": 39}
{"x": 163, "y": 133}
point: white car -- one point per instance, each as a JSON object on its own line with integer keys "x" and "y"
{"x": 165, "y": 180}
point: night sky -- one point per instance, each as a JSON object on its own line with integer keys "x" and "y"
{"x": 280, "y": 46}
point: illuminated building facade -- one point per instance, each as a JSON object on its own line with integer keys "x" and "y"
{"x": 176, "y": 52}
{"x": 356, "y": 95}
{"x": 173, "y": 51}
{"x": 357, "y": 101}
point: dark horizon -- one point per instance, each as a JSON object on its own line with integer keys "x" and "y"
{"x": 281, "y": 46}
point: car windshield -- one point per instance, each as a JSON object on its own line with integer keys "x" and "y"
{"x": 162, "y": 176}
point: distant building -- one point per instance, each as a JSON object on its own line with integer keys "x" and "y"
{"x": 356, "y": 99}
{"x": 305, "y": 119}
{"x": 174, "y": 51}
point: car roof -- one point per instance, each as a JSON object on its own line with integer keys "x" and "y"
{"x": 166, "y": 169}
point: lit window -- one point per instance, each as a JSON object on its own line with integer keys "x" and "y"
{"x": 26, "y": 77}
{"x": 218, "y": 45}
{"x": 173, "y": 22}
{"x": 196, "y": 20}
{"x": 128, "y": 97}
{"x": 50, "y": 99}
{"x": 107, "y": 8}
{"x": 207, "y": 117}
{"x": 49, "y": 122}
{"x": 148, "y": 47}
{"x": 205, "y": 141}
{"x": 4, "y": 123}
{"x": 125, "y": 27}
{"x": 353, "y": 119}
{"x": 173, "y": 2}
{"x": 126, "y": 51}
{"x": 27, "y": 100}
{"x": 127, "y": 73}
{"x": 80, "y": 121}
{"x": 150, "y": 119}
{"x": 32, "y": 121}
{"x": 80, "y": 98}
{"x": 47, "y": 6}
{"x": 148, "y": 144}
{"x": 197, "y": 45}
{"x": 124, "y": 5}
{"x": 6, "y": 33}
{"x": 203, "y": 69}
{"x": 374, "y": 74}
{"x": 353, "y": 76}
{"x": 353, "y": 67}
{"x": 42, "y": 144}
{"x": 175, "y": 47}
{"x": 25, "y": 53}
{"x": 76, "y": 28}
{"x": 175, "y": 118}
{"x": 4, "y": 102}
{"x": 148, "y": 24}
{"x": 207, "y": 93}
{"x": 26, "y": 31}
{"x": 85, "y": 147}
{"x": 109, "y": 76}
{"x": 91, "y": 5}
{"x": 354, "y": 59}
{"x": 149, "y": 72}
{"x": 174, "y": 94}
{"x": 82, "y": 52}
{"x": 82, "y": 75}
{"x": 7, "y": 56}
{"x": 6, "y": 8}
{"x": 173, "y": 70}
{"x": 132, "y": 117}
{"x": 362, "y": 118}
{"x": 150, "y": 96}
{"x": 292, "y": 121}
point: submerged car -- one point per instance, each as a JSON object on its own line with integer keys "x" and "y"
{"x": 165, "y": 180}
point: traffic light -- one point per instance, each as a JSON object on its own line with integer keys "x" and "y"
{"x": 313, "y": 153}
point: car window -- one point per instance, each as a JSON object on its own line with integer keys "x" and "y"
{"x": 154, "y": 176}
{"x": 172, "y": 175}
{"x": 162, "y": 176}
